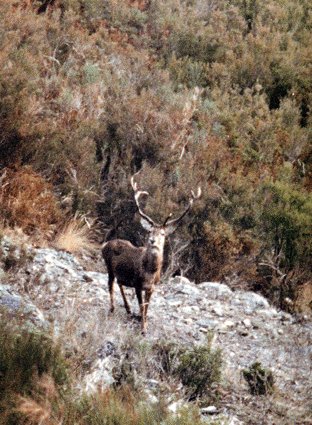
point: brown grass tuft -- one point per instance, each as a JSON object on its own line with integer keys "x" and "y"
{"x": 75, "y": 237}
{"x": 40, "y": 411}
{"x": 35, "y": 412}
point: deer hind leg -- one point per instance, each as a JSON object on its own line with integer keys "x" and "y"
{"x": 111, "y": 279}
{"x": 126, "y": 304}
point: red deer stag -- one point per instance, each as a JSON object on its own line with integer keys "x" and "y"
{"x": 140, "y": 268}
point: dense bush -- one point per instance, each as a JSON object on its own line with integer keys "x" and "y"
{"x": 216, "y": 94}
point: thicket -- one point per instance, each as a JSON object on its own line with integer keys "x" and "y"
{"x": 216, "y": 94}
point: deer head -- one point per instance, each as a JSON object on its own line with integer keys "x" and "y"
{"x": 158, "y": 232}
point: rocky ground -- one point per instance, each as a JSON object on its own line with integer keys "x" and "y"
{"x": 52, "y": 289}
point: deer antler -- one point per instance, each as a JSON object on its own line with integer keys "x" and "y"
{"x": 137, "y": 194}
{"x": 190, "y": 204}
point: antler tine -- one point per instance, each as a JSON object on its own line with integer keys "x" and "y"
{"x": 137, "y": 194}
{"x": 199, "y": 192}
{"x": 192, "y": 199}
{"x": 166, "y": 221}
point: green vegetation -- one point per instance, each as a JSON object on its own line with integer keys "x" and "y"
{"x": 25, "y": 358}
{"x": 200, "y": 371}
{"x": 37, "y": 383}
{"x": 214, "y": 94}
{"x": 198, "y": 368}
{"x": 259, "y": 379}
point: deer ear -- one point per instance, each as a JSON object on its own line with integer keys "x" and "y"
{"x": 146, "y": 224}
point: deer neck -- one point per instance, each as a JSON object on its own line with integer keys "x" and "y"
{"x": 152, "y": 260}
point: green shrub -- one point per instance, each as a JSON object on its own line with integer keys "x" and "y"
{"x": 259, "y": 379}
{"x": 199, "y": 369}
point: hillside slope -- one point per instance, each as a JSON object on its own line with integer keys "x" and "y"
{"x": 75, "y": 301}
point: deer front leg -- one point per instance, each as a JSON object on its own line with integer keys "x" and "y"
{"x": 126, "y": 304}
{"x": 111, "y": 292}
{"x": 142, "y": 310}
{"x": 148, "y": 294}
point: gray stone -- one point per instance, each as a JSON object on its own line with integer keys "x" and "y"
{"x": 152, "y": 383}
{"x": 2, "y": 275}
{"x": 192, "y": 309}
{"x": 244, "y": 325}
{"x": 176, "y": 406}
{"x": 227, "y": 324}
{"x": 179, "y": 280}
{"x": 215, "y": 290}
{"x": 20, "y": 307}
{"x": 207, "y": 323}
{"x": 174, "y": 303}
{"x": 250, "y": 301}
{"x": 218, "y": 310}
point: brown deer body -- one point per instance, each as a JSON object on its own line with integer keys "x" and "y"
{"x": 139, "y": 267}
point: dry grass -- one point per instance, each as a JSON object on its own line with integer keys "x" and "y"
{"x": 27, "y": 202}
{"x": 75, "y": 237}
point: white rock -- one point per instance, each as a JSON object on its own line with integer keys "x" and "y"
{"x": 228, "y": 324}
{"x": 207, "y": 323}
{"x": 189, "y": 309}
{"x": 176, "y": 406}
{"x": 152, "y": 383}
{"x": 247, "y": 323}
{"x": 218, "y": 310}
{"x": 210, "y": 410}
{"x": 250, "y": 301}
{"x": 179, "y": 280}
{"x": 215, "y": 290}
